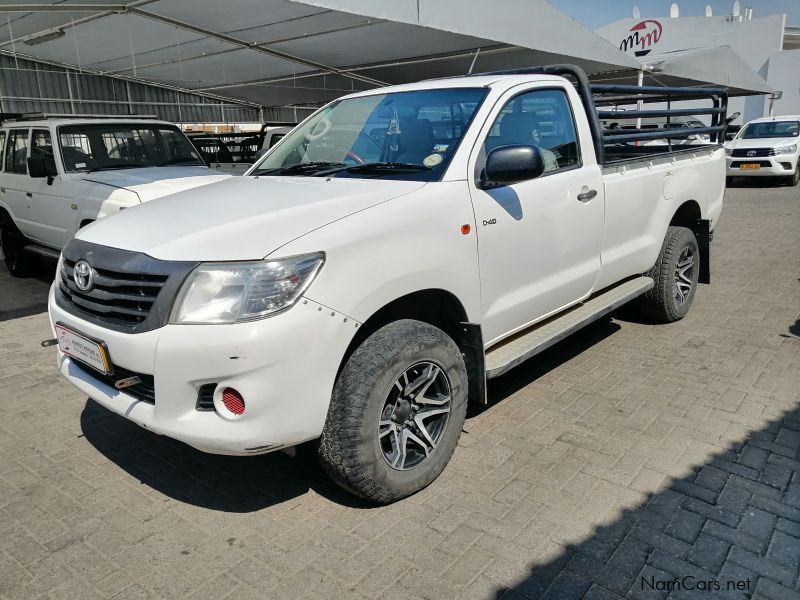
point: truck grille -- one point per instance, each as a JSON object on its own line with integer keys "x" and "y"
{"x": 130, "y": 292}
{"x": 121, "y": 297}
{"x": 745, "y": 152}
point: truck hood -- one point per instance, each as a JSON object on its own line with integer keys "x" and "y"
{"x": 150, "y": 183}
{"x": 762, "y": 142}
{"x": 242, "y": 218}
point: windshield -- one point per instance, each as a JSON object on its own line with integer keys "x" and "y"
{"x": 106, "y": 146}
{"x": 771, "y": 129}
{"x": 401, "y": 135}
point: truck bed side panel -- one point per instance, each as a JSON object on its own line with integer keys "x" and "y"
{"x": 641, "y": 199}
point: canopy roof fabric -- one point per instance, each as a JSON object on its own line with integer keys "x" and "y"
{"x": 718, "y": 65}
{"x": 279, "y": 52}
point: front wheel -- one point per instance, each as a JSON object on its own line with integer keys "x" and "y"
{"x": 675, "y": 274}
{"x": 396, "y": 413}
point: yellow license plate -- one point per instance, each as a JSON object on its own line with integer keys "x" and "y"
{"x": 79, "y": 347}
{"x": 750, "y": 166}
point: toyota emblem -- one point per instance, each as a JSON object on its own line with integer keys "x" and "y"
{"x": 83, "y": 275}
{"x": 751, "y": 153}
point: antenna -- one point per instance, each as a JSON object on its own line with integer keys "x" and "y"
{"x": 709, "y": 11}
{"x": 737, "y": 8}
{"x": 637, "y": 13}
{"x": 674, "y": 11}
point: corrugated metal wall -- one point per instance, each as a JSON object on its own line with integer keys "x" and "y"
{"x": 27, "y": 86}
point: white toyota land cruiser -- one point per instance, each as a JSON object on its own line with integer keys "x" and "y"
{"x": 59, "y": 173}
{"x": 369, "y": 273}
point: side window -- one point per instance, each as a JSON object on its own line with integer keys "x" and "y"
{"x": 17, "y": 151}
{"x": 541, "y": 118}
{"x": 2, "y": 147}
{"x": 42, "y": 144}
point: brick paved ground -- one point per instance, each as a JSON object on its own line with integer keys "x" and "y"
{"x": 630, "y": 451}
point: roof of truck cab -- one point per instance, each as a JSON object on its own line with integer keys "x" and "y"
{"x": 777, "y": 118}
{"x": 472, "y": 81}
{"x": 31, "y": 123}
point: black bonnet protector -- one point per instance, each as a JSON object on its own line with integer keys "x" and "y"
{"x": 131, "y": 292}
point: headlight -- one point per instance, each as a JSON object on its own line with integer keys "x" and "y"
{"x": 728, "y": 151}
{"x": 235, "y": 292}
{"x": 786, "y": 149}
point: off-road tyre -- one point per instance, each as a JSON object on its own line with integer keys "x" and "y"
{"x": 18, "y": 262}
{"x": 350, "y": 448}
{"x": 662, "y": 302}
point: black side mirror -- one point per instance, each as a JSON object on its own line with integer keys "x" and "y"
{"x": 40, "y": 167}
{"x": 511, "y": 164}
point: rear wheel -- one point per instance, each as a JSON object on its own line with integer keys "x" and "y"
{"x": 675, "y": 274}
{"x": 396, "y": 413}
{"x": 18, "y": 262}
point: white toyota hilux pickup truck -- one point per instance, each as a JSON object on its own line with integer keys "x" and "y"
{"x": 60, "y": 173}
{"x": 398, "y": 248}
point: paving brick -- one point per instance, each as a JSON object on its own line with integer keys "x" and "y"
{"x": 686, "y": 525}
{"x": 733, "y": 577}
{"x": 617, "y": 581}
{"x": 709, "y": 552}
{"x": 762, "y": 566}
{"x": 712, "y": 478}
{"x": 735, "y": 536}
{"x": 567, "y": 586}
{"x": 774, "y": 591}
{"x": 776, "y": 476}
{"x": 757, "y": 523}
{"x": 785, "y": 549}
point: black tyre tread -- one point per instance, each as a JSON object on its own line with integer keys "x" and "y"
{"x": 657, "y": 302}
{"x": 10, "y": 234}
{"x": 340, "y": 449}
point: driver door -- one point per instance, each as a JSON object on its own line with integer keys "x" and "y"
{"x": 52, "y": 216}
{"x": 539, "y": 241}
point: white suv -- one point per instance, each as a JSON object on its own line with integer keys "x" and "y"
{"x": 58, "y": 174}
{"x": 768, "y": 147}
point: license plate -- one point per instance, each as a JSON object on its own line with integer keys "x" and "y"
{"x": 79, "y": 347}
{"x": 750, "y": 166}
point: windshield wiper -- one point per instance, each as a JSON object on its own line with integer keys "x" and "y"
{"x": 299, "y": 168}
{"x": 375, "y": 166}
{"x": 178, "y": 160}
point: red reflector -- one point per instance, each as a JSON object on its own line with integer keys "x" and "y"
{"x": 233, "y": 401}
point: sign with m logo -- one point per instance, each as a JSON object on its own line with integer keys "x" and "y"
{"x": 642, "y": 37}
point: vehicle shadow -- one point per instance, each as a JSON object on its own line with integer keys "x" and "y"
{"x": 689, "y": 532}
{"x": 756, "y": 182}
{"x": 248, "y": 484}
{"x": 25, "y": 296}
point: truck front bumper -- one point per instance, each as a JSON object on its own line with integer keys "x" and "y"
{"x": 768, "y": 166}
{"x": 283, "y": 366}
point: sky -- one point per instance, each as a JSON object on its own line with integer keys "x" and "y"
{"x": 596, "y": 13}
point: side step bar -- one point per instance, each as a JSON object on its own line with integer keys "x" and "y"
{"x": 42, "y": 251}
{"x": 530, "y": 342}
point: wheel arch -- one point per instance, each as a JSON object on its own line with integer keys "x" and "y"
{"x": 442, "y": 309}
{"x": 689, "y": 215}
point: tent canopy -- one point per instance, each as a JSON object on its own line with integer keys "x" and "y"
{"x": 716, "y": 66}
{"x": 278, "y": 52}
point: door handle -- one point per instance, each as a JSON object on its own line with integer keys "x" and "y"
{"x": 586, "y": 196}
{"x": 29, "y": 194}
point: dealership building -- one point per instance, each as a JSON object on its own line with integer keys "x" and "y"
{"x": 726, "y": 44}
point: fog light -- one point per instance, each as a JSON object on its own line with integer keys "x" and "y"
{"x": 233, "y": 401}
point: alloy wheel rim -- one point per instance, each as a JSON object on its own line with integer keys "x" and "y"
{"x": 414, "y": 416}
{"x": 684, "y": 273}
